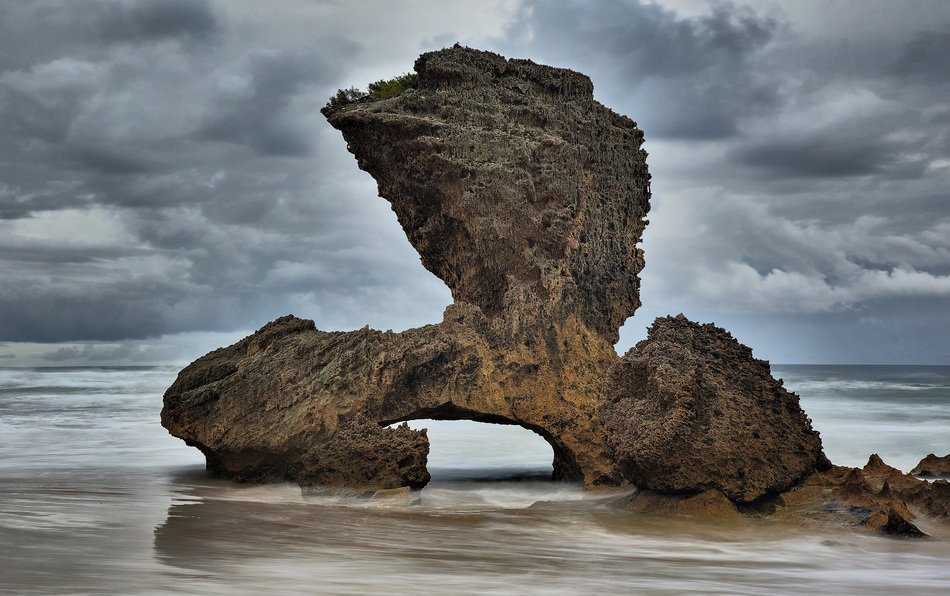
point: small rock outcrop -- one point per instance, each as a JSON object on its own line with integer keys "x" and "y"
{"x": 528, "y": 199}
{"x": 689, "y": 408}
{"x": 932, "y": 466}
{"x": 877, "y": 497}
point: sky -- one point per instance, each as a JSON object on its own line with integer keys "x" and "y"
{"x": 168, "y": 184}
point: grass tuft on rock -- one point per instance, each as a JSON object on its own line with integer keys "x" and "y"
{"x": 381, "y": 89}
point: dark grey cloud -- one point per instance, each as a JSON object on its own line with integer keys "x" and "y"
{"x": 142, "y": 123}
{"x": 118, "y": 309}
{"x": 40, "y": 31}
{"x": 686, "y": 78}
{"x": 257, "y": 117}
{"x": 925, "y": 56}
{"x": 818, "y": 233}
{"x": 152, "y": 185}
{"x": 821, "y": 154}
{"x": 645, "y": 40}
{"x": 26, "y": 254}
{"x": 153, "y": 19}
{"x": 164, "y": 168}
{"x": 870, "y": 108}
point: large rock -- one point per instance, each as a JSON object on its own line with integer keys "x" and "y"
{"x": 528, "y": 199}
{"x": 520, "y": 192}
{"x": 690, "y": 409}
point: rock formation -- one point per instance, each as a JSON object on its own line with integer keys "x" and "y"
{"x": 689, "y": 408}
{"x": 932, "y": 466}
{"x": 528, "y": 199}
{"x": 877, "y": 497}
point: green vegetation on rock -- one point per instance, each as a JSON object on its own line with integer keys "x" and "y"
{"x": 381, "y": 89}
{"x": 343, "y": 97}
{"x": 386, "y": 88}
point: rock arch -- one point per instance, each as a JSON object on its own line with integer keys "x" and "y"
{"x": 528, "y": 199}
{"x": 466, "y": 447}
{"x": 564, "y": 464}
{"x": 319, "y": 403}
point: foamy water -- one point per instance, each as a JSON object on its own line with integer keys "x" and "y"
{"x": 900, "y": 412}
{"x": 95, "y": 497}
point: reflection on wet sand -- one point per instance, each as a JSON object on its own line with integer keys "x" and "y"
{"x": 96, "y": 498}
{"x": 511, "y": 536}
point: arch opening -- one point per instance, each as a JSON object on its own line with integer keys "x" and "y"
{"x": 564, "y": 464}
{"x": 485, "y": 450}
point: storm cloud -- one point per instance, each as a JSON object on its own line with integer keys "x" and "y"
{"x": 163, "y": 176}
{"x": 166, "y": 179}
{"x": 688, "y": 78}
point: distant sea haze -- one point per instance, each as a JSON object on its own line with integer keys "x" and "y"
{"x": 95, "y": 497}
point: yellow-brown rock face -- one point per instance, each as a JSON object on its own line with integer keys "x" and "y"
{"x": 528, "y": 199}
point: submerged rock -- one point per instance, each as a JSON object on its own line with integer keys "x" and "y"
{"x": 708, "y": 504}
{"x": 528, "y": 199}
{"x": 399, "y": 497}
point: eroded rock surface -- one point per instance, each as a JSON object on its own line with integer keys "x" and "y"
{"x": 876, "y": 497}
{"x": 522, "y": 193}
{"x": 932, "y": 465}
{"x": 528, "y": 199}
{"x": 689, "y": 408}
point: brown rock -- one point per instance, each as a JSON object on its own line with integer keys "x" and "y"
{"x": 936, "y": 501}
{"x": 892, "y": 522}
{"x": 518, "y": 190}
{"x": 690, "y": 409}
{"x": 877, "y": 497}
{"x": 933, "y": 466}
{"x": 707, "y": 504}
{"x": 525, "y": 196}
{"x": 932, "y": 498}
{"x": 854, "y": 486}
{"x": 528, "y": 199}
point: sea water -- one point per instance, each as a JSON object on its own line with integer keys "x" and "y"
{"x": 95, "y": 497}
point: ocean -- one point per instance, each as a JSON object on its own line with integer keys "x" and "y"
{"x": 96, "y": 498}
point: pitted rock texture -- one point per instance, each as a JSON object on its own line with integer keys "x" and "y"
{"x": 932, "y": 465}
{"x": 876, "y": 497}
{"x": 520, "y": 192}
{"x": 528, "y": 199}
{"x": 689, "y": 408}
{"x": 292, "y": 402}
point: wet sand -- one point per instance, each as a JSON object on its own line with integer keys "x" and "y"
{"x": 96, "y": 498}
